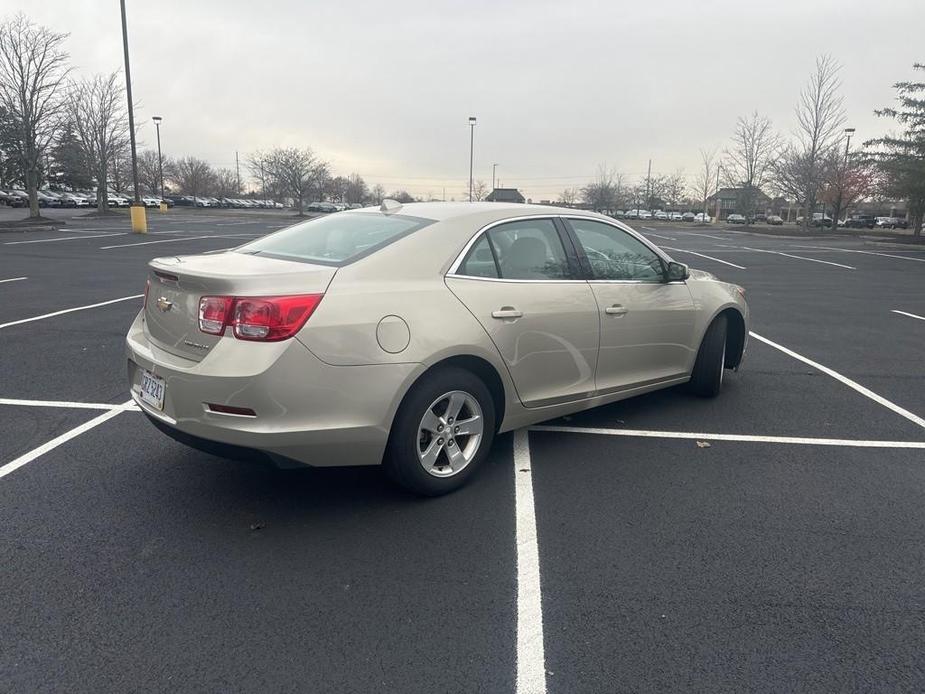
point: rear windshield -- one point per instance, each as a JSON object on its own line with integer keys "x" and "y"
{"x": 336, "y": 239}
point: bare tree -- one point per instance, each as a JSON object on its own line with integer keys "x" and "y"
{"x": 96, "y": 109}
{"x": 403, "y": 196}
{"x": 297, "y": 172}
{"x": 601, "y": 193}
{"x": 479, "y": 190}
{"x": 33, "y": 69}
{"x": 357, "y": 191}
{"x": 847, "y": 179}
{"x": 377, "y": 193}
{"x": 674, "y": 188}
{"x": 800, "y": 168}
{"x": 569, "y": 196}
{"x": 149, "y": 177}
{"x": 194, "y": 176}
{"x": 705, "y": 182}
{"x": 226, "y": 183}
{"x": 749, "y": 160}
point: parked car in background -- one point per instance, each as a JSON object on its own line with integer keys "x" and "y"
{"x": 116, "y": 200}
{"x": 321, "y": 207}
{"x": 675, "y": 216}
{"x": 18, "y": 198}
{"x": 660, "y": 216}
{"x": 48, "y": 199}
{"x": 151, "y": 201}
{"x": 688, "y": 217}
{"x": 735, "y": 219}
{"x": 645, "y": 214}
{"x": 775, "y": 220}
{"x": 632, "y": 214}
{"x": 703, "y": 218}
{"x": 890, "y": 223}
{"x": 861, "y": 221}
{"x": 760, "y": 218}
{"x": 820, "y": 219}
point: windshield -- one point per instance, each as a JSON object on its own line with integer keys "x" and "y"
{"x": 336, "y": 239}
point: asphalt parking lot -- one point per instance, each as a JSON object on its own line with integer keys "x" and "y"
{"x": 772, "y": 539}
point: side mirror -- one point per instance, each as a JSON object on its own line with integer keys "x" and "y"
{"x": 677, "y": 272}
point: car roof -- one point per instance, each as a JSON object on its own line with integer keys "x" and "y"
{"x": 446, "y": 211}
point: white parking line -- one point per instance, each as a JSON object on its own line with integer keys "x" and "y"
{"x": 853, "y": 250}
{"x": 718, "y": 238}
{"x": 879, "y": 399}
{"x": 708, "y": 257}
{"x": 911, "y": 315}
{"x": 14, "y": 279}
{"x": 749, "y": 438}
{"x": 185, "y": 238}
{"x": 798, "y": 257}
{"x": 69, "y": 310}
{"x": 66, "y": 238}
{"x": 531, "y": 659}
{"x": 64, "y": 404}
{"x": 659, "y": 236}
{"x": 57, "y": 441}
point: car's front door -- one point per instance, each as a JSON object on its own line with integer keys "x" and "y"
{"x": 523, "y": 287}
{"x": 647, "y": 324}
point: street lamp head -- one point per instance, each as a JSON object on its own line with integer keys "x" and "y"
{"x": 849, "y": 131}
{"x": 157, "y": 119}
{"x": 471, "y": 120}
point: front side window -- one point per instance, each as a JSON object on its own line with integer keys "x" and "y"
{"x": 336, "y": 239}
{"x": 615, "y": 254}
{"x": 529, "y": 249}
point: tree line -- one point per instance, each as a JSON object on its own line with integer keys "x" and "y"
{"x": 814, "y": 167}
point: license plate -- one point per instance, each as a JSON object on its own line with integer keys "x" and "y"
{"x": 153, "y": 389}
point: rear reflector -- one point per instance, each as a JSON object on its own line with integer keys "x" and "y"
{"x": 228, "y": 409}
{"x": 257, "y": 318}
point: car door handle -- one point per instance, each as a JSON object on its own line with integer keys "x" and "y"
{"x": 616, "y": 310}
{"x": 506, "y": 313}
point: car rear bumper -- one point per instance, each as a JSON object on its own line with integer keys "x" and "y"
{"x": 307, "y": 412}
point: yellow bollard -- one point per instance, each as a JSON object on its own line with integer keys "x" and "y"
{"x": 163, "y": 207}
{"x": 139, "y": 221}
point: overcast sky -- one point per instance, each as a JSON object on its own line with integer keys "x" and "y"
{"x": 385, "y": 88}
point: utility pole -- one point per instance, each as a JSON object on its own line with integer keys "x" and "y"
{"x": 494, "y": 167}
{"x": 139, "y": 223}
{"x": 648, "y": 183}
{"x": 719, "y": 168}
{"x": 237, "y": 173}
{"x": 471, "y": 150}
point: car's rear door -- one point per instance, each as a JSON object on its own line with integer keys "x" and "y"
{"x": 647, "y": 324}
{"x": 520, "y": 279}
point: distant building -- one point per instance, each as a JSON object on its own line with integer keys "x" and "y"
{"x": 505, "y": 195}
{"x": 729, "y": 199}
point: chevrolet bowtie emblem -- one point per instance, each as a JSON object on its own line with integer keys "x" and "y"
{"x": 163, "y": 304}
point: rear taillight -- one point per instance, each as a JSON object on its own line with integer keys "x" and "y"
{"x": 214, "y": 312}
{"x": 258, "y": 318}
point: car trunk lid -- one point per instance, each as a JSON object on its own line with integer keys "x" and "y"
{"x": 178, "y": 283}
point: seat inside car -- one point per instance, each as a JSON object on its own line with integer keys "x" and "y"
{"x": 525, "y": 259}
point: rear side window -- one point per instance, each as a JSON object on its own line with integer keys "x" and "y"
{"x": 481, "y": 260}
{"x": 336, "y": 239}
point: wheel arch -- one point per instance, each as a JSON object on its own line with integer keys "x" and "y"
{"x": 736, "y": 335}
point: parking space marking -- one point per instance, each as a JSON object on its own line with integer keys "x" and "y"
{"x": 866, "y": 392}
{"x": 65, "y": 404}
{"x": 659, "y": 236}
{"x": 799, "y": 257}
{"x": 905, "y": 313}
{"x": 185, "y": 238}
{"x": 718, "y": 238}
{"x": 531, "y": 659}
{"x": 747, "y": 438}
{"x": 709, "y": 257}
{"x": 66, "y": 238}
{"x": 854, "y": 250}
{"x": 14, "y": 279}
{"x": 57, "y": 441}
{"x": 69, "y": 310}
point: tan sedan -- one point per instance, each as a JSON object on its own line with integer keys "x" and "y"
{"x": 410, "y": 335}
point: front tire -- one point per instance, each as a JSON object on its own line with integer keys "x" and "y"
{"x": 443, "y": 431}
{"x": 707, "y": 376}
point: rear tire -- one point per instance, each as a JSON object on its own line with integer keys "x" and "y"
{"x": 427, "y": 452}
{"x": 707, "y": 376}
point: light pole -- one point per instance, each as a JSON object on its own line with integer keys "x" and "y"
{"x": 471, "y": 150}
{"x": 139, "y": 223}
{"x": 160, "y": 162}
{"x": 494, "y": 167}
{"x": 841, "y": 188}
